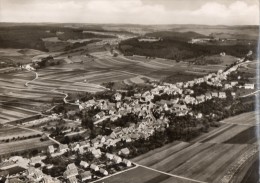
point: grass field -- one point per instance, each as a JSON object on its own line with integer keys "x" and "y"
{"x": 11, "y": 132}
{"x": 22, "y": 145}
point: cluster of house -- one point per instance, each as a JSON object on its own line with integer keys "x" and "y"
{"x": 73, "y": 174}
{"x": 88, "y": 171}
{"x": 93, "y": 147}
{"x": 141, "y": 105}
{"x": 25, "y": 171}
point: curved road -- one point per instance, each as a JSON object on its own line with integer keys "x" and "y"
{"x": 54, "y": 91}
{"x": 36, "y": 77}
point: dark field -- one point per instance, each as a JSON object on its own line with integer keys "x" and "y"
{"x": 245, "y": 137}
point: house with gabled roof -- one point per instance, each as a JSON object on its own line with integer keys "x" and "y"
{"x": 117, "y": 159}
{"x": 214, "y": 94}
{"x": 94, "y": 167}
{"x": 63, "y": 148}
{"x": 84, "y": 164}
{"x": 103, "y": 171}
{"x": 50, "y": 149}
{"x": 85, "y": 176}
{"x": 71, "y": 171}
{"x": 127, "y": 163}
{"x": 200, "y": 98}
{"x": 97, "y": 153}
{"x": 109, "y": 156}
{"x": 124, "y": 151}
{"x": 208, "y": 96}
{"x": 72, "y": 179}
{"x": 249, "y": 86}
{"x": 222, "y": 95}
{"x": 99, "y": 115}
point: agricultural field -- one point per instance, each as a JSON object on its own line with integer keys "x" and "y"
{"x": 84, "y": 74}
{"x": 14, "y": 132}
{"x": 23, "y": 145}
{"x": 15, "y": 56}
{"x": 141, "y": 175}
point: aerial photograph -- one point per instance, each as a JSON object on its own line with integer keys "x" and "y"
{"x": 129, "y": 91}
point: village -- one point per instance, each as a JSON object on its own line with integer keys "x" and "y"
{"x": 103, "y": 155}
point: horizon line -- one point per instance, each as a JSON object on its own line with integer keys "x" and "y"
{"x": 127, "y": 24}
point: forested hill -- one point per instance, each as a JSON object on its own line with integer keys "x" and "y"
{"x": 174, "y": 45}
{"x": 181, "y": 36}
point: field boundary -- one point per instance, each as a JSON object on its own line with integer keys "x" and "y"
{"x": 169, "y": 174}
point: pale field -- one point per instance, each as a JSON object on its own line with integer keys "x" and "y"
{"x": 22, "y": 145}
{"x": 10, "y": 132}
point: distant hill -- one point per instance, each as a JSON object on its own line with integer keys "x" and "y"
{"x": 175, "y": 46}
{"x": 178, "y": 36}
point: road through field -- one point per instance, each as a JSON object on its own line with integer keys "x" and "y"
{"x": 169, "y": 174}
{"x": 34, "y": 130}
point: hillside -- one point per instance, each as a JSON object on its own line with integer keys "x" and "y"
{"x": 175, "y": 46}
{"x": 178, "y": 36}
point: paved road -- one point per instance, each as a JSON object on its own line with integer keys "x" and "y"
{"x": 253, "y": 93}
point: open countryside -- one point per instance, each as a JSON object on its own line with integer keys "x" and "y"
{"x": 114, "y": 103}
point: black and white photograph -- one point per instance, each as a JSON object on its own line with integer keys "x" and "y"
{"x": 129, "y": 91}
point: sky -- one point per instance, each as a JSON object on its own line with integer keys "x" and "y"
{"x": 209, "y": 12}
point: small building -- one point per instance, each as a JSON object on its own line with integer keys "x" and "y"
{"x": 227, "y": 86}
{"x": 233, "y": 94}
{"x": 214, "y": 94}
{"x": 94, "y": 167}
{"x": 84, "y": 164}
{"x": 234, "y": 83}
{"x": 100, "y": 115}
{"x": 249, "y": 86}
{"x": 199, "y": 116}
{"x": 208, "y": 96}
{"x": 71, "y": 171}
{"x": 124, "y": 151}
{"x": 127, "y": 163}
{"x": 97, "y": 153}
{"x": 103, "y": 171}
{"x": 200, "y": 98}
{"x": 117, "y": 159}
{"x": 222, "y": 95}
{"x": 109, "y": 156}
{"x": 50, "y": 149}
{"x": 63, "y": 148}
{"x": 85, "y": 176}
{"x": 118, "y": 96}
{"x": 72, "y": 180}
